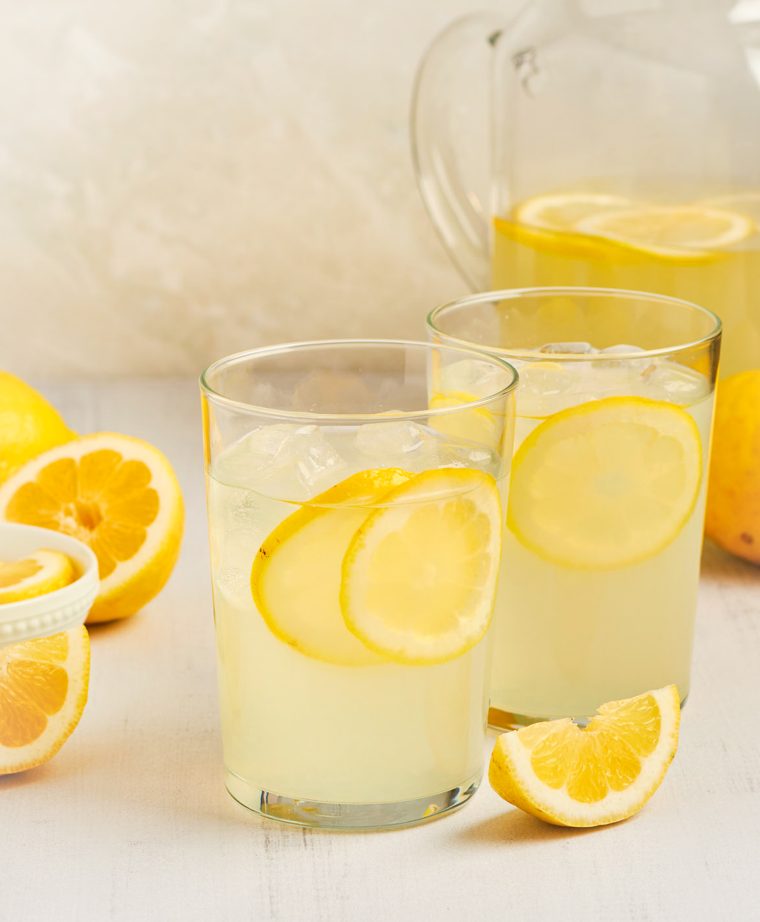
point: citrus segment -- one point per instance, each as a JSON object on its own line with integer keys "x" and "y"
{"x": 119, "y": 495}
{"x": 43, "y": 691}
{"x": 38, "y": 573}
{"x": 420, "y": 575}
{"x": 606, "y": 484}
{"x": 677, "y": 231}
{"x": 296, "y": 574}
{"x": 603, "y": 773}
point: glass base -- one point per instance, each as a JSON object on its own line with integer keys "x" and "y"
{"x": 507, "y": 720}
{"x": 349, "y": 816}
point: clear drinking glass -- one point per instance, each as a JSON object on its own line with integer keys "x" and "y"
{"x": 604, "y": 526}
{"x": 355, "y": 497}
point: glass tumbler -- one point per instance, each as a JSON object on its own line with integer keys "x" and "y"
{"x": 606, "y": 508}
{"x": 355, "y": 499}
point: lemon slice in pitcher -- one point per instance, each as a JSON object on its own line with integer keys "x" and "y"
{"x": 607, "y": 483}
{"x": 562, "y": 211}
{"x": 420, "y": 575}
{"x": 693, "y": 231}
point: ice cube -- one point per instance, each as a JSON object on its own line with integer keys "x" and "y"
{"x": 401, "y": 443}
{"x": 318, "y": 464}
{"x": 283, "y": 460}
{"x": 392, "y": 437}
{"x": 471, "y": 377}
{"x": 568, "y": 349}
{"x": 620, "y": 348}
{"x": 234, "y": 583}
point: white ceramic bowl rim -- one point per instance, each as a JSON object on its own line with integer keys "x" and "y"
{"x": 55, "y": 611}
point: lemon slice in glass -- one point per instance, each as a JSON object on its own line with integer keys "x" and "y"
{"x": 601, "y": 774}
{"x": 607, "y": 483}
{"x": 683, "y": 232}
{"x": 420, "y": 575}
{"x": 296, "y": 574}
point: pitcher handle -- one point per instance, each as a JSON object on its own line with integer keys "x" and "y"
{"x": 453, "y": 167}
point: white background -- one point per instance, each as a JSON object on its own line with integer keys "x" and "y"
{"x": 179, "y": 180}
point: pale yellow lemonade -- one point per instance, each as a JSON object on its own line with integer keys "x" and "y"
{"x": 705, "y": 251}
{"x": 311, "y": 710}
{"x": 586, "y": 614}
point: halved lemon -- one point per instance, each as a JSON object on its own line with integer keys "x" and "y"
{"x": 420, "y": 575}
{"x": 607, "y": 483}
{"x": 593, "y": 776}
{"x": 119, "y": 495}
{"x": 296, "y": 574}
{"x": 43, "y": 691}
{"x": 683, "y": 232}
{"x": 38, "y": 573}
{"x": 562, "y": 211}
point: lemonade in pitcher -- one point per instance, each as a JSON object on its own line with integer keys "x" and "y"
{"x": 706, "y": 251}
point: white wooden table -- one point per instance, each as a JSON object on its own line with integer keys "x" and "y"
{"x": 131, "y": 820}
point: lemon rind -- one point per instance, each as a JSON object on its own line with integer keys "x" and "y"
{"x": 512, "y": 777}
{"x": 338, "y": 495}
{"x": 396, "y": 654}
{"x": 61, "y": 725}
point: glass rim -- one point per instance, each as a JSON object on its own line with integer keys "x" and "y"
{"x": 307, "y": 416}
{"x": 513, "y": 294}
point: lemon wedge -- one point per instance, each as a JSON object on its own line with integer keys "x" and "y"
{"x": 296, "y": 574}
{"x": 420, "y": 575}
{"x": 692, "y": 231}
{"x": 562, "y": 211}
{"x": 38, "y": 573}
{"x": 601, "y": 774}
{"x": 607, "y": 483}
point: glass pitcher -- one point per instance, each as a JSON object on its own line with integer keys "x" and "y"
{"x": 606, "y": 143}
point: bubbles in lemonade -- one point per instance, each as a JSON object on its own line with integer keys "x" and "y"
{"x": 583, "y": 616}
{"x": 311, "y": 711}
{"x": 706, "y": 251}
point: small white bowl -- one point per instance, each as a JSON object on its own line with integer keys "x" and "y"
{"x": 54, "y": 611}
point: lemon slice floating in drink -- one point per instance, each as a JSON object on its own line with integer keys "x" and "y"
{"x": 420, "y": 574}
{"x": 38, "y": 573}
{"x": 607, "y": 483}
{"x": 561, "y": 211}
{"x": 601, "y": 774}
{"x": 683, "y": 232}
{"x": 296, "y": 574}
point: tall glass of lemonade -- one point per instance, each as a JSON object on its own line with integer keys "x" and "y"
{"x": 356, "y": 514}
{"x": 604, "y": 525}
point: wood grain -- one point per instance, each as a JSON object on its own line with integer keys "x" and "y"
{"x": 131, "y": 821}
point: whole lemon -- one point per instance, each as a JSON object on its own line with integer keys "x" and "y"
{"x": 29, "y": 425}
{"x": 733, "y": 497}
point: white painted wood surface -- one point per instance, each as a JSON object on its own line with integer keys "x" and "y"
{"x": 131, "y": 821}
